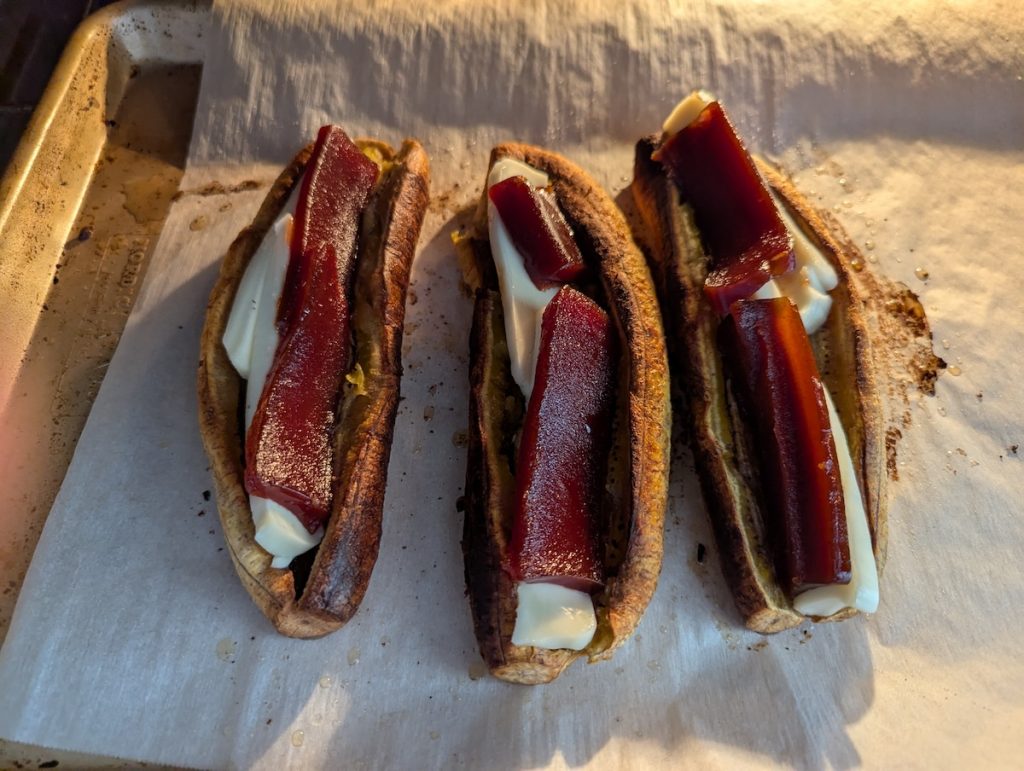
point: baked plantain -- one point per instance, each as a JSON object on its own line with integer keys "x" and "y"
{"x": 637, "y": 483}
{"x": 310, "y": 600}
{"x": 722, "y": 445}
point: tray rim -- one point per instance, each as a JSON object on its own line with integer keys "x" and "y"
{"x": 99, "y": 29}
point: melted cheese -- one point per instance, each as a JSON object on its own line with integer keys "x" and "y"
{"x": 280, "y": 532}
{"x": 822, "y": 274}
{"x": 812, "y": 304}
{"x": 809, "y": 283}
{"x": 552, "y": 616}
{"x": 250, "y": 336}
{"x": 239, "y": 331}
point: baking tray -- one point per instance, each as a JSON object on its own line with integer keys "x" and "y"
{"x": 81, "y": 206}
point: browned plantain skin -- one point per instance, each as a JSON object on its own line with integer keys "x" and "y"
{"x": 344, "y": 560}
{"x": 722, "y": 445}
{"x": 637, "y": 495}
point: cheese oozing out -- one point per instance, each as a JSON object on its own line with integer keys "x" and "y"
{"x": 807, "y": 287}
{"x": 809, "y": 284}
{"x": 547, "y": 615}
{"x": 251, "y": 339}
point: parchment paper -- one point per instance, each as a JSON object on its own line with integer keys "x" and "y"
{"x": 132, "y": 636}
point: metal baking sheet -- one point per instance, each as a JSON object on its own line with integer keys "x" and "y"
{"x": 900, "y": 126}
{"x": 81, "y": 206}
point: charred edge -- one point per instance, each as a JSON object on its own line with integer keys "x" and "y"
{"x": 672, "y": 293}
{"x": 480, "y": 558}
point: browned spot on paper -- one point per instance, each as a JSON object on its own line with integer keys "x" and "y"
{"x": 927, "y": 367}
{"x": 904, "y": 356}
{"x": 910, "y": 324}
{"x": 892, "y": 436}
{"x": 905, "y": 303}
{"x": 451, "y": 200}
{"x": 219, "y": 188}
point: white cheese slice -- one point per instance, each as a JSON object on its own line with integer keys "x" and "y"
{"x": 768, "y": 291}
{"x": 504, "y": 168}
{"x": 280, "y": 532}
{"x": 552, "y": 616}
{"x": 251, "y": 340}
{"x": 862, "y": 591}
{"x": 522, "y": 301}
{"x": 250, "y": 328}
{"x": 686, "y": 112}
{"x": 238, "y": 332}
{"x": 265, "y": 336}
{"x": 813, "y": 305}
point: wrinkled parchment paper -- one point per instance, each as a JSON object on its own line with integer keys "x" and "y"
{"x": 132, "y": 636}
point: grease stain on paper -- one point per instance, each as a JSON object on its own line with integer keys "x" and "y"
{"x": 226, "y": 649}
